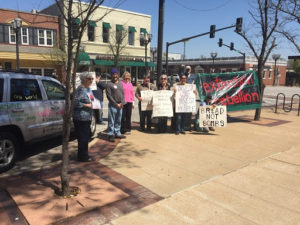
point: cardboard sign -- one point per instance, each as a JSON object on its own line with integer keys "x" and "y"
{"x": 78, "y": 81}
{"x": 236, "y": 90}
{"x": 185, "y": 99}
{"x": 146, "y": 102}
{"x": 162, "y": 103}
{"x": 210, "y": 116}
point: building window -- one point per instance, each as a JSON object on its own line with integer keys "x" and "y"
{"x": 1, "y": 89}
{"x": 75, "y": 28}
{"x": 270, "y": 74}
{"x": 223, "y": 70}
{"x": 264, "y": 74}
{"x": 119, "y": 33}
{"x": 24, "y": 36}
{"x": 105, "y": 32}
{"x": 36, "y": 71}
{"x": 131, "y": 31}
{"x": 45, "y": 37}
{"x": 48, "y": 72}
{"x": 91, "y": 30}
{"x": 12, "y": 36}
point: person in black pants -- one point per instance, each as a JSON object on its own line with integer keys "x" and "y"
{"x": 146, "y": 85}
{"x": 98, "y": 94}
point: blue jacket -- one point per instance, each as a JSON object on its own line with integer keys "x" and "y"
{"x": 80, "y": 112}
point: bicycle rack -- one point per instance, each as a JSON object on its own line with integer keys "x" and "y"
{"x": 287, "y": 109}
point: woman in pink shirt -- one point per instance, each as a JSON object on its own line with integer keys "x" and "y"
{"x": 129, "y": 99}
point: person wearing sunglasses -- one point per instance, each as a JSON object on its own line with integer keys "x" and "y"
{"x": 82, "y": 116}
{"x": 162, "y": 121}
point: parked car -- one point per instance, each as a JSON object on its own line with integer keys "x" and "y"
{"x": 31, "y": 108}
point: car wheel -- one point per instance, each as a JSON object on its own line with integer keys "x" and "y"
{"x": 93, "y": 126}
{"x": 9, "y": 148}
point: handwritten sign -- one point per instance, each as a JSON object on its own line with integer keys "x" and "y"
{"x": 78, "y": 81}
{"x": 211, "y": 116}
{"x": 185, "y": 99}
{"x": 162, "y": 104}
{"x": 146, "y": 100}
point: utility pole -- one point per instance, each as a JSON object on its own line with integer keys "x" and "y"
{"x": 160, "y": 39}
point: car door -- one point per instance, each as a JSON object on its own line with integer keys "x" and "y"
{"x": 55, "y": 104}
{"x": 4, "y": 119}
{"x": 26, "y": 108}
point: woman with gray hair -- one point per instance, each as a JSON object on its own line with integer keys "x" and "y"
{"x": 82, "y": 115}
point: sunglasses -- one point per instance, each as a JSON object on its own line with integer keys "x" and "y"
{"x": 90, "y": 78}
{"x": 163, "y": 78}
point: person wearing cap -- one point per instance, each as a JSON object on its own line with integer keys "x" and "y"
{"x": 82, "y": 116}
{"x": 115, "y": 96}
{"x": 146, "y": 85}
{"x": 162, "y": 121}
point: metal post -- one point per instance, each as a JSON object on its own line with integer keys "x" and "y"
{"x": 244, "y": 61}
{"x": 17, "y": 48}
{"x": 167, "y": 57}
{"x": 146, "y": 61}
{"x": 160, "y": 39}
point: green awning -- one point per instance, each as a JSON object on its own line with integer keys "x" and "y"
{"x": 121, "y": 63}
{"x": 103, "y": 62}
{"x": 132, "y": 29}
{"x": 143, "y": 30}
{"x": 84, "y": 59}
{"x": 106, "y": 25}
{"x": 92, "y": 23}
{"x": 120, "y": 27}
{"x": 77, "y": 21}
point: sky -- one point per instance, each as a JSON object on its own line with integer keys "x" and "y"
{"x": 184, "y": 18}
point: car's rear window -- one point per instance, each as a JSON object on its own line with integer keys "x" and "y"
{"x": 1, "y": 89}
{"x": 24, "y": 90}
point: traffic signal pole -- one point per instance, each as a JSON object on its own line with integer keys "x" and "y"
{"x": 238, "y": 51}
{"x": 187, "y": 39}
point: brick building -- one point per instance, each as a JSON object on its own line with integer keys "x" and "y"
{"x": 233, "y": 64}
{"x": 38, "y": 42}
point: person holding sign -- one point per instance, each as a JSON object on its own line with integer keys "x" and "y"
{"x": 98, "y": 94}
{"x": 115, "y": 96}
{"x": 82, "y": 116}
{"x": 147, "y": 111}
{"x": 183, "y": 110}
{"x": 129, "y": 100}
{"x": 162, "y": 121}
{"x": 207, "y": 101}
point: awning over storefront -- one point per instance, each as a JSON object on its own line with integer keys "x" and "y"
{"x": 120, "y": 27}
{"x": 77, "y": 21}
{"x": 122, "y": 63}
{"x": 84, "y": 59}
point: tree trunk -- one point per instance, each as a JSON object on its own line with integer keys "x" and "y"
{"x": 261, "y": 89}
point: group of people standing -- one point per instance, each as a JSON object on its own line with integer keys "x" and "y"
{"x": 120, "y": 95}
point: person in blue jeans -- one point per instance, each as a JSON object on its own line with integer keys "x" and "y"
{"x": 115, "y": 96}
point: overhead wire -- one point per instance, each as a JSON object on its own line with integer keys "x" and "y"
{"x": 201, "y": 10}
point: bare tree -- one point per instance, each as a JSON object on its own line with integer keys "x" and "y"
{"x": 290, "y": 12}
{"x": 261, "y": 38}
{"x": 117, "y": 42}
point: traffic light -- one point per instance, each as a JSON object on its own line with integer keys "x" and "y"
{"x": 212, "y": 31}
{"x": 231, "y": 46}
{"x": 238, "y": 25}
{"x": 220, "y": 42}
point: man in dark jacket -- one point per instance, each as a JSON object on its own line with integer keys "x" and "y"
{"x": 98, "y": 94}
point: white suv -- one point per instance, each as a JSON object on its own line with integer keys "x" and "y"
{"x": 31, "y": 108}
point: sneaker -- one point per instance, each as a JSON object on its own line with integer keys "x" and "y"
{"x": 211, "y": 129}
{"x": 177, "y": 133}
{"x": 205, "y": 129}
{"x": 182, "y": 132}
{"x": 89, "y": 159}
{"x": 120, "y": 136}
{"x": 111, "y": 138}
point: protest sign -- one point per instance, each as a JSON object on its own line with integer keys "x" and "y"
{"x": 212, "y": 116}
{"x": 185, "y": 99}
{"x": 162, "y": 103}
{"x": 78, "y": 81}
{"x": 146, "y": 102}
{"x": 236, "y": 90}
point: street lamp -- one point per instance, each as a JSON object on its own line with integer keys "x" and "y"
{"x": 275, "y": 57}
{"x": 16, "y": 24}
{"x": 213, "y": 55}
{"x": 146, "y": 39}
